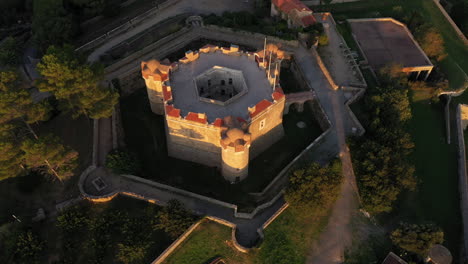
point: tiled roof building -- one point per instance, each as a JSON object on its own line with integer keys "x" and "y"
{"x": 294, "y": 11}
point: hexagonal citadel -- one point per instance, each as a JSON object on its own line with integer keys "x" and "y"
{"x": 222, "y": 106}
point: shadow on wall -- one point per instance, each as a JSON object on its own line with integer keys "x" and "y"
{"x": 186, "y": 133}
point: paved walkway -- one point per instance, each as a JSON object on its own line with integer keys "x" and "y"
{"x": 336, "y": 238}
{"x": 246, "y": 233}
{"x": 183, "y": 6}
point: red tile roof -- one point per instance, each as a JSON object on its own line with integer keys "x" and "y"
{"x": 218, "y": 122}
{"x": 167, "y": 94}
{"x": 308, "y": 20}
{"x": 194, "y": 117}
{"x": 241, "y": 120}
{"x": 172, "y": 111}
{"x": 277, "y": 94}
{"x": 288, "y": 5}
{"x": 262, "y": 105}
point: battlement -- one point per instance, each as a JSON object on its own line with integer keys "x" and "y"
{"x": 217, "y": 101}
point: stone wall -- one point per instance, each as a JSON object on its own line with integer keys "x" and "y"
{"x": 452, "y": 23}
{"x": 125, "y": 27}
{"x": 462, "y": 120}
{"x": 193, "y": 141}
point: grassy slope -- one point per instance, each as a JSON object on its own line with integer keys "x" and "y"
{"x": 288, "y": 237}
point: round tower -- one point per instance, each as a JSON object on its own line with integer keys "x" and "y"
{"x": 155, "y": 74}
{"x": 235, "y": 155}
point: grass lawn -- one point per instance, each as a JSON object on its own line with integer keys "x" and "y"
{"x": 207, "y": 242}
{"x": 145, "y": 135}
{"x": 287, "y": 240}
{"x": 457, "y": 51}
{"x": 436, "y": 198}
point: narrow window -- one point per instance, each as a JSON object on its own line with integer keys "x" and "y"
{"x": 223, "y": 82}
{"x": 262, "y": 124}
{"x": 209, "y": 82}
{"x": 230, "y": 80}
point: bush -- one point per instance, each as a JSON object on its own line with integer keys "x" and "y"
{"x": 121, "y": 161}
{"x": 417, "y": 239}
{"x": 174, "y": 219}
{"x": 323, "y": 40}
{"x": 28, "y": 248}
{"x": 9, "y": 52}
{"x": 314, "y": 185}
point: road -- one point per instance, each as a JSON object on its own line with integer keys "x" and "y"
{"x": 182, "y": 6}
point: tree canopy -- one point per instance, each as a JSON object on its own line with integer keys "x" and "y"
{"x": 381, "y": 158}
{"x": 314, "y": 184}
{"x": 417, "y": 239}
{"x": 21, "y": 148}
{"x": 121, "y": 161}
{"x": 174, "y": 219}
{"x": 51, "y": 25}
{"x": 76, "y": 84}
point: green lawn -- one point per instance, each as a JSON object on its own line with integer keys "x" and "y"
{"x": 207, "y": 242}
{"x": 457, "y": 51}
{"x": 287, "y": 240}
{"x": 436, "y": 198}
{"x": 144, "y": 132}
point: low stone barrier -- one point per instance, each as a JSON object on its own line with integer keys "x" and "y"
{"x": 452, "y": 23}
{"x": 359, "y": 94}
{"x": 176, "y": 243}
{"x": 462, "y": 180}
{"x": 324, "y": 69}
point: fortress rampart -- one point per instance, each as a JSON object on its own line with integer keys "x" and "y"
{"x": 201, "y": 128}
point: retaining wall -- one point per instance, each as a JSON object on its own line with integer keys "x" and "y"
{"x": 462, "y": 181}
{"x": 452, "y": 23}
{"x": 126, "y": 26}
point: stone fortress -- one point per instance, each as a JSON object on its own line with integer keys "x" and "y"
{"x": 222, "y": 106}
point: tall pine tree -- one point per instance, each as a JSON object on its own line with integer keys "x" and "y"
{"x": 21, "y": 151}
{"x": 76, "y": 84}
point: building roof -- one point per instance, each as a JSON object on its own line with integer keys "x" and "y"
{"x": 392, "y": 258}
{"x": 288, "y": 5}
{"x": 386, "y": 41}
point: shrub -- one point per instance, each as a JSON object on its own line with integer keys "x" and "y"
{"x": 28, "y": 248}
{"x": 323, "y": 40}
{"x": 174, "y": 219}
{"x": 121, "y": 161}
{"x": 314, "y": 185}
{"x": 417, "y": 239}
{"x": 9, "y": 52}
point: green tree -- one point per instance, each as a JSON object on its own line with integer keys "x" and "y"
{"x": 133, "y": 253}
{"x": 314, "y": 185}
{"x": 174, "y": 219}
{"x": 417, "y": 239}
{"x": 28, "y": 248}
{"x": 381, "y": 159}
{"x": 121, "y": 161}
{"x": 75, "y": 83}
{"x": 432, "y": 43}
{"x": 48, "y": 155}
{"x": 52, "y": 25}
{"x": 9, "y": 52}
{"x": 17, "y": 111}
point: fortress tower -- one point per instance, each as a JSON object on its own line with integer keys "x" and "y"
{"x": 222, "y": 106}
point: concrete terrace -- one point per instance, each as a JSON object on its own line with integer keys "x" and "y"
{"x": 185, "y": 94}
